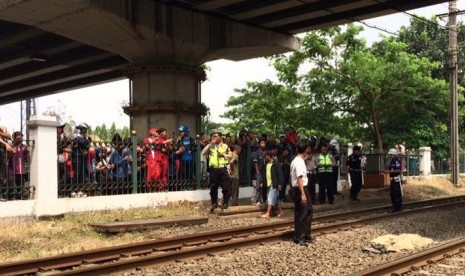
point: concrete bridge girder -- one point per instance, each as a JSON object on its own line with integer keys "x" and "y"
{"x": 150, "y": 33}
{"x": 146, "y": 32}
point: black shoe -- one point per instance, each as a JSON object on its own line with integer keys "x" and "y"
{"x": 309, "y": 239}
{"x": 214, "y": 206}
{"x": 224, "y": 206}
{"x": 301, "y": 242}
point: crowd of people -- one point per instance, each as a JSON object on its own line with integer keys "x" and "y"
{"x": 108, "y": 165}
{"x": 14, "y": 157}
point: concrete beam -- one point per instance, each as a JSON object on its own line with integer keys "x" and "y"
{"x": 147, "y": 32}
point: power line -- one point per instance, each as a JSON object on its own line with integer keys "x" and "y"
{"x": 429, "y": 21}
{"x": 377, "y": 28}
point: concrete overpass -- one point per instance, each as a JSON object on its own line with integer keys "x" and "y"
{"x": 49, "y": 46}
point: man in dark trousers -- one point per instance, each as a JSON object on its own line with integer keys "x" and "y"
{"x": 354, "y": 164}
{"x": 303, "y": 210}
{"x": 325, "y": 175}
{"x": 394, "y": 171}
{"x": 219, "y": 155}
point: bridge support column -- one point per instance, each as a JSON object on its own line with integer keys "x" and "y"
{"x": 165, "y": 96}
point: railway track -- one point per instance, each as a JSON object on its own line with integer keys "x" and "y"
{"x": 159, "y": 252}
{"x": 446, "y": 259}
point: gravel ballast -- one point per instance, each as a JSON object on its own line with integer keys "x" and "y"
{"x": 331, "y": 254}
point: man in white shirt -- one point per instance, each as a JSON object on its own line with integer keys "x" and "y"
{"x": 303, "y": 210}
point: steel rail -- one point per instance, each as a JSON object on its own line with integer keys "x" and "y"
{"x": 229, "y": 244}
{"x": 116, "y": 252}
{"x": 415, "y": 261}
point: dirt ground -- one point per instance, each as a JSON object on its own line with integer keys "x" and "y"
{"x": 21, "y": 239}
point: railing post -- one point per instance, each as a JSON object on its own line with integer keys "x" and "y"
{"x": 44, "y": 165}
{"x": 425, "y": 161}
{"x": 134, "y": 161}
{"x": 198, "y": 163}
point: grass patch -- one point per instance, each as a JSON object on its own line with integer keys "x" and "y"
{"x": 33, "y": 239}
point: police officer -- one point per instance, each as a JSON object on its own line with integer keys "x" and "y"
{"x": 219, "y": 155}
{"x": 394, "y": 171}
{"x": 354, "y": 164}
{"x": 325, "y": 164}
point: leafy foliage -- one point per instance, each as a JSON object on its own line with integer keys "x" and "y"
{"x": 336, "y": 84}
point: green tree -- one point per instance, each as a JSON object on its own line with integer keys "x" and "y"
{"x": 103, "y": 133}
{"x": 378, "y": 89}
{"x": 112, "y": 131}
{"x": 265, "y": 107}
{"x": 336, "y": 84}
{"x": 125, "y": 132}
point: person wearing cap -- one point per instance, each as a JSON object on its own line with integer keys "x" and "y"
{"x": 163, "y": 147}
{"x": 184, "y": 147}
{"x": 355, "y": 165}
{"x": 79, "y": 153}
{"x": 219, "y": 156}
{"x": 274, "y": 179}
{"x": 394, "y": 170}
{"x": 152, "y": 174}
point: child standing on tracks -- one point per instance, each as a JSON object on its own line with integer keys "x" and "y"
{"x": 274, "y": 179}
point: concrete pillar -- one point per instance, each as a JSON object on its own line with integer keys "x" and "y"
{"x": 350, "y": 149}
{"x": 425, "y": 161}
{"x": 42, "y": 130}
{"x": 165, "y": 96}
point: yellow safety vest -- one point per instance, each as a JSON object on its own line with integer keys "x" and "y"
{"x": 325, "y": 160}
{"x": 215, "y": 158}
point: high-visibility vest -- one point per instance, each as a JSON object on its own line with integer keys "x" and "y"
{"x": 325, "y": 160}
{"x": 216, "y": 160}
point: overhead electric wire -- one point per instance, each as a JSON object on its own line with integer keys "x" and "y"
{"x": 377, "y": 28}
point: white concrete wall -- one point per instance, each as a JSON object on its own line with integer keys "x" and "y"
{"x": 22, "y": 208}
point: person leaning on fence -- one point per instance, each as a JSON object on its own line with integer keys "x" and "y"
{"x": 219, "y": 155}
{"x": 394, "y": 171}
{"x": 17, "y": 163}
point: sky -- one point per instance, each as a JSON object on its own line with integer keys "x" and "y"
{"x": 100, "y": 104}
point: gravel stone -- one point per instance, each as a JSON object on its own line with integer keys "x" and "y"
{"x": 331, "y": 254}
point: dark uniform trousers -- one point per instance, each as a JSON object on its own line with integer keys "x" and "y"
{"x": 312, "y": 180}
{"x": 356, "y": 179}
{"x": 396, "y": 193}
{"x": 325, "y": 186}
{"x": 334, "y": 179}
{"x": 219, "y": 177}
{"x": 303, "y": 214}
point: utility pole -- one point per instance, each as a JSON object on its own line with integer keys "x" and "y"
{"x": 453, "y": 76}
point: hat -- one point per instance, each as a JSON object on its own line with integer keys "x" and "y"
{"x": 282, "y": 135}
{"x": 83, "y": 125}
{"x": 392, "y": 151}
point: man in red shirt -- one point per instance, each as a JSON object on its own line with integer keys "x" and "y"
{"x": 151, "y": 159}
{"x": 163, "y": 147}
